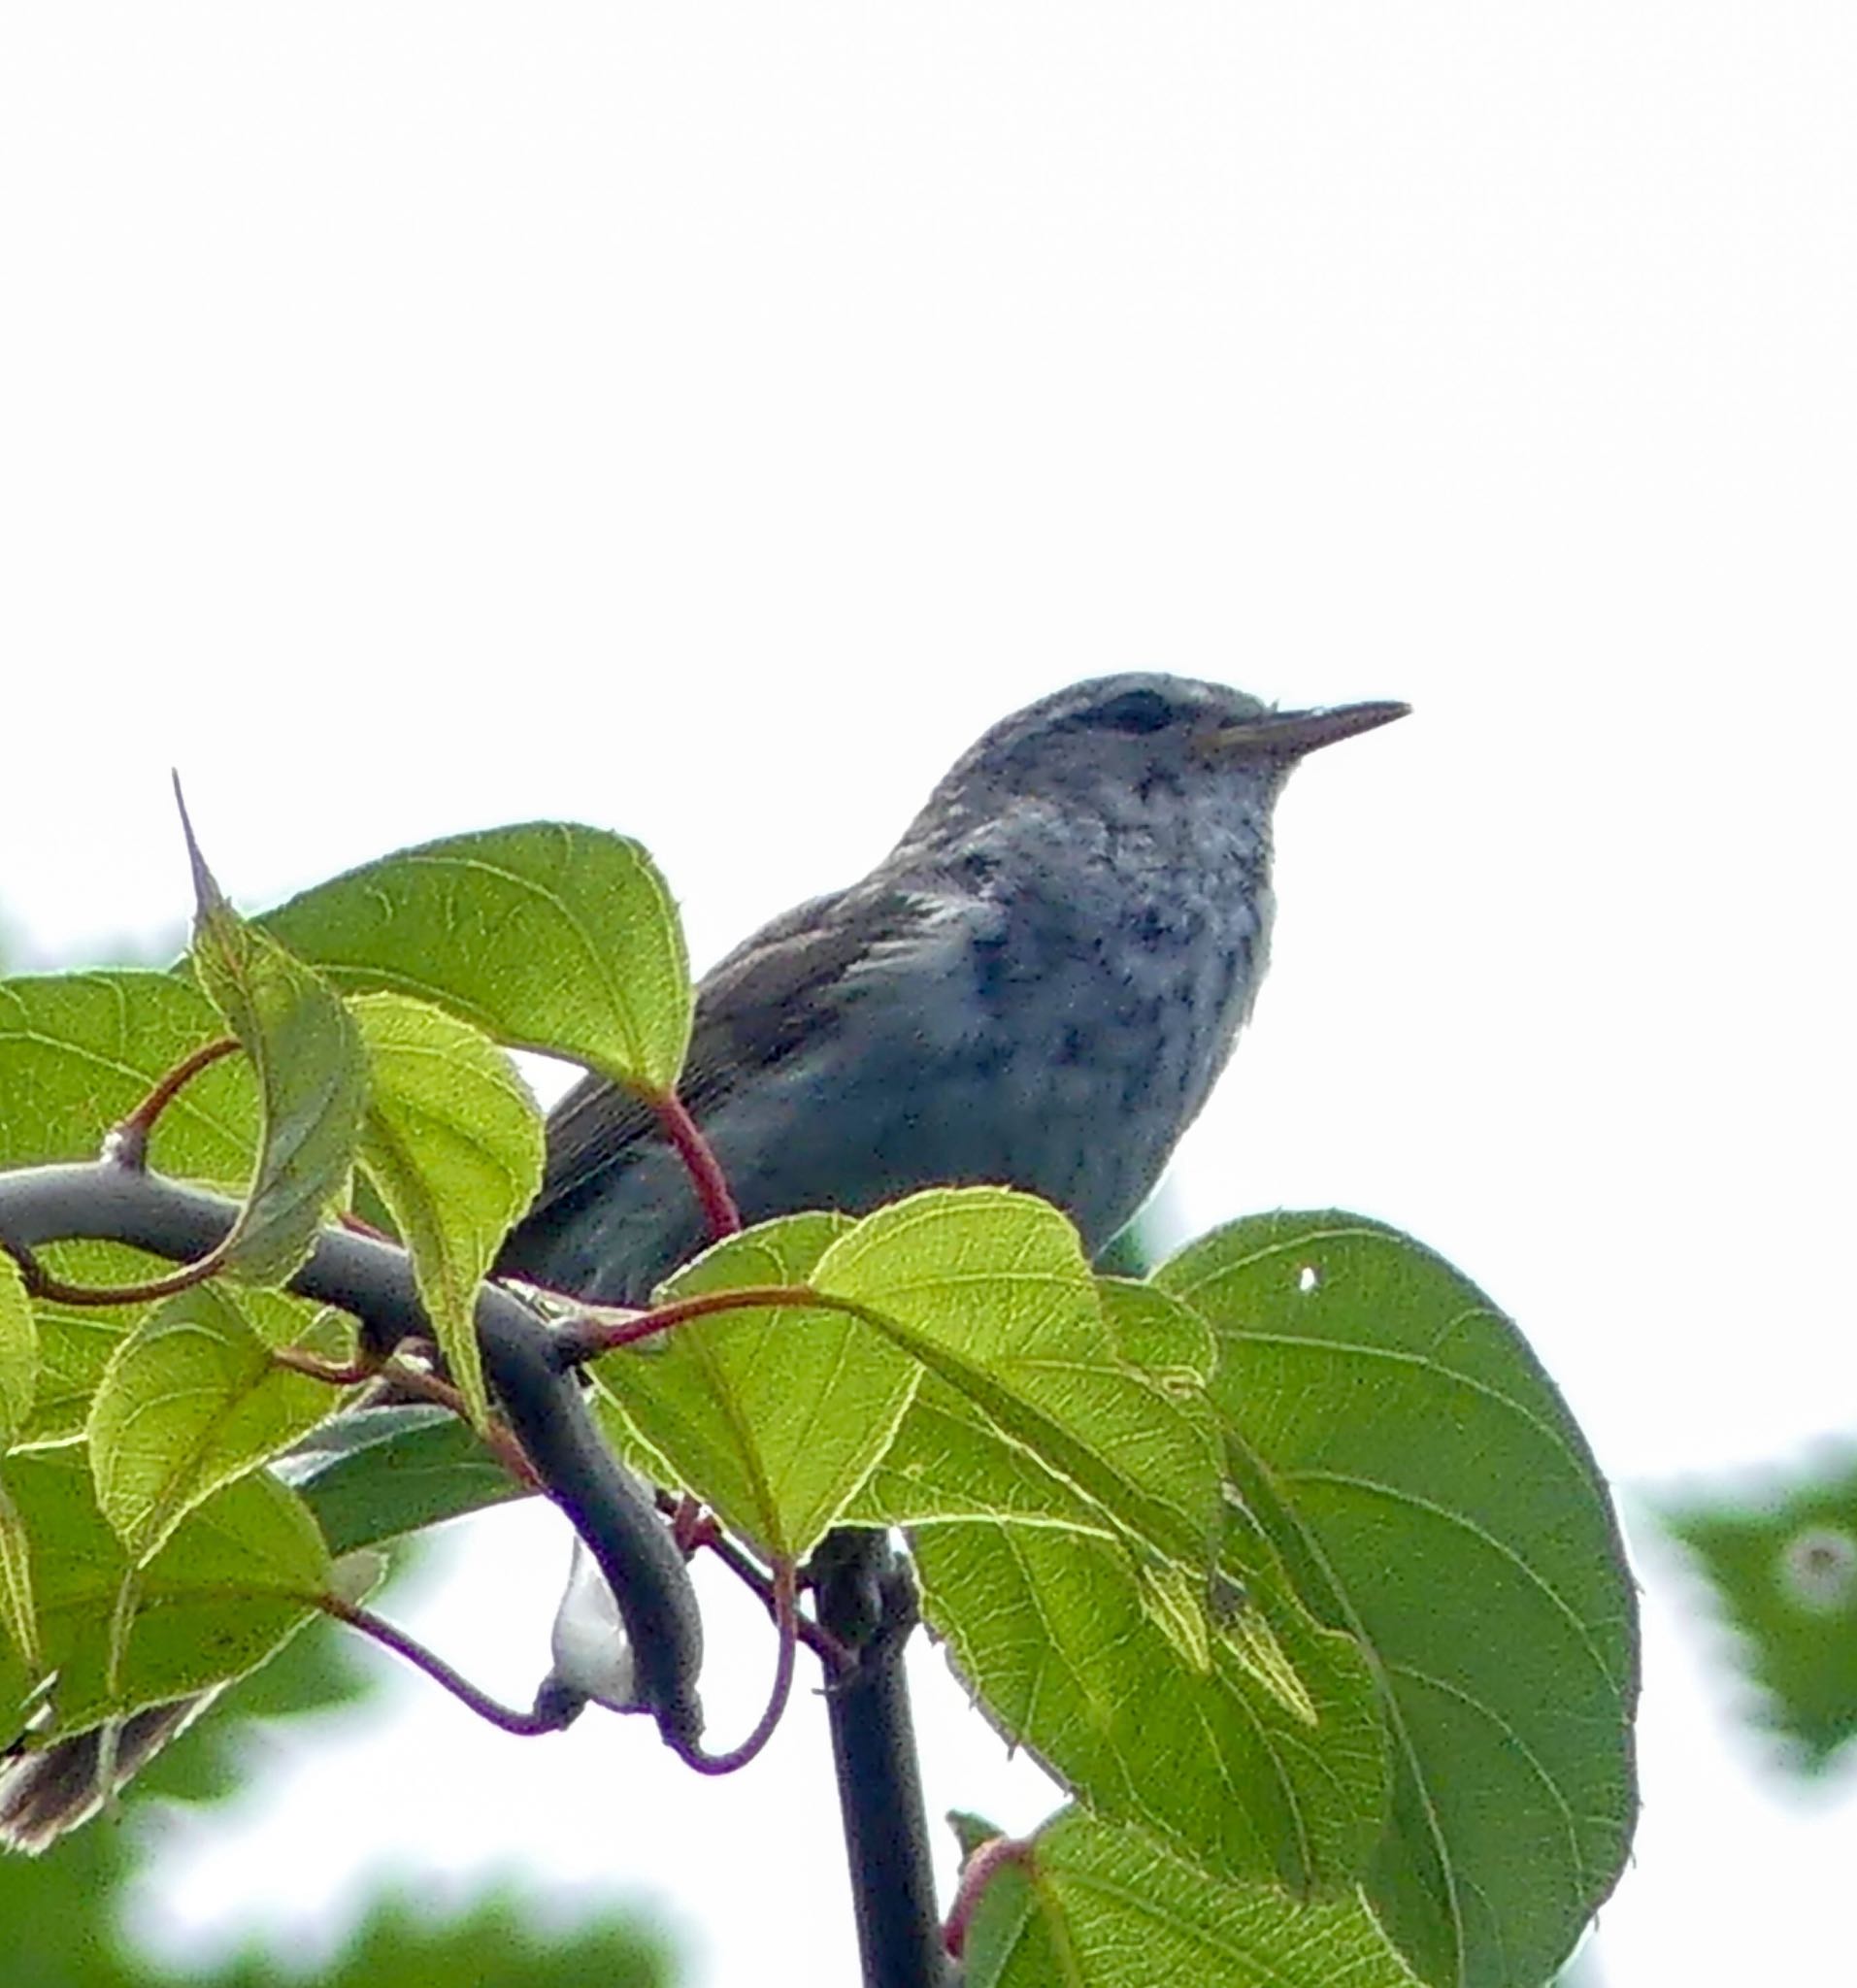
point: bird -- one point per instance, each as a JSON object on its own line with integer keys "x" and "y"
{"x": 1037, "y": 987}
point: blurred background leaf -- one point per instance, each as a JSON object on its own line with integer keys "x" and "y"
{"x": 1782, "y": 1566}
{"x": 63, "y": 1912}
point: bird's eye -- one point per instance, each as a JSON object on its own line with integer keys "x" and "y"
{"x": 1134, "y": 710}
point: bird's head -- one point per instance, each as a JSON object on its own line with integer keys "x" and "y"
{"x": 1118, "y": 747}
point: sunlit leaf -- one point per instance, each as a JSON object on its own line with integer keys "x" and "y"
{"x": 990, "y": 1289}
{"x": 79, "y": 1051}
{"x": 773, "y": 1415}
{"x": 546, "y": 936}
{"x": 193, "y": 1399}
{"x": 1218, "y": 1714}
{"x": 1086, "y": 1904}
{"x": 453, "y": 1143}
{"x": 18, "y": 1353}
{"x": 78, "y": 1054}
{"x": 18, "y": 1612}
{"x": 1208, "y": 1706}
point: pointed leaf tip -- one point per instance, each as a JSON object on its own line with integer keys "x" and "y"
{"x": 208, "y": 897}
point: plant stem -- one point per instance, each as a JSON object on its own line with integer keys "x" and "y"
{"x": 866, "y": 1598}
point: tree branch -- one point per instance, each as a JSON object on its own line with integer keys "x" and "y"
{"x": 866, "y": 1598}
{"x": 540, "y": 1396}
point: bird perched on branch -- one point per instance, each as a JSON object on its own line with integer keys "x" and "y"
{"x": 1036, "y": 986}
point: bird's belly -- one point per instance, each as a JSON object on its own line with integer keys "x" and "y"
{"x": 1063, "y": 1085}
{"x": 1070, "y": 1114}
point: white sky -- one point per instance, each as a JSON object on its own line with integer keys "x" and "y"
{"x": 705, "y": 419}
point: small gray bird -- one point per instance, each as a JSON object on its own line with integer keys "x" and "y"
{"x": 1037, "y": 986}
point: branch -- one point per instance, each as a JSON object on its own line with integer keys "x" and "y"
{"x": 540, "y": 1396}
{"x": 554, "y": 1710}
{"x": 866, "y": 1598}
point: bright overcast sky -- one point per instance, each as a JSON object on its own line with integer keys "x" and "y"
{"x": 704, "y": 419}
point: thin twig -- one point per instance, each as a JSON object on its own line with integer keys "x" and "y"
{"x": 426, "y": 1386}
{"x": 587, "y": 1335}
{"x": 541, "y": 1398}
{"x": 699, "y": 1162}
{"x": 836, "y": 1657}
{"x": 331, "y": 1372}
{"x": 785, "y": 1622}
{"x": 54, "y": 1290}
{"x": 128, "y": 1142}
{"x": 549, "y": 1714}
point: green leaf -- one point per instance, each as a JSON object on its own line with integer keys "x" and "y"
{"x": 990, "y": 1289}
{"x": 312, "y": 1073}
{"x": 1209, "y": 1706}
{"x": 545, "y": 937}
{"x": 238, "y": 1576}
{"x": 63, "y": 1929}
{"x": 1085, "y": 1905}
{"x": 193, "y": 1399}
{"x": 78, "y": 1054}
{"x": 1168, "y": 1340}
{"x": 773, "y": 1415}
{"x": 18, "y": 1353}
{"x": 374, "y": 1474}
{"x": 1783, "y": 1566}
{"x": 18, "y": 1612}
{"x": 77, "y": 1341}
{"x": 950, "y": 1460}
{"x": 1428, "y": 1490}
{"x": 453, "y": 1145}
{"x": 79, "y": 1051}
{"x": 1217, "y": 1714}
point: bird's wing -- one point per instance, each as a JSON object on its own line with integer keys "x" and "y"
{"x": 771, "y": 994}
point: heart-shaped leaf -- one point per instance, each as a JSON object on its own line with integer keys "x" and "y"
{"x": 773, "y": 1415}
{"x": 1206, "y": 1704}
{"x": 989, "y": 1290}
{"x": 1429, "y": 1491}
{"x": 546, "y": 936}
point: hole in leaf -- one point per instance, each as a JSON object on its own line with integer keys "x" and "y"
{"x": 1308, "y": 1279}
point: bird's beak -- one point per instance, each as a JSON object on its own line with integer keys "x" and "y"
{"x": 1289, "y": 734}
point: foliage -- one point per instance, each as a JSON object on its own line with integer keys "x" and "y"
{"x": 1287, "y": 1560}
{"x": 1783, "y": 1567}
{"x": 60, "y": 1911}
